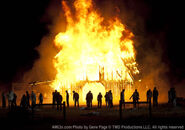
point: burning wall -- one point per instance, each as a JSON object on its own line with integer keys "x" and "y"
{"x": 91, "y": 47}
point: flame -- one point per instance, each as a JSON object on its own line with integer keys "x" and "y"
{"x": 90, "y": 46}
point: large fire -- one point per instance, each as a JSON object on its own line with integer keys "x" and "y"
{"x": 94, "y": 54}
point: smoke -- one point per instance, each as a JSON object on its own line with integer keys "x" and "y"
{"x": 43, "y": 68}
{"x": 153, "y": 72}
{"x": 148, "y": 45}
{"x": 150, "y": 49}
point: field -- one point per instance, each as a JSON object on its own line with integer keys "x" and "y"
{"x": 47, "y": 117}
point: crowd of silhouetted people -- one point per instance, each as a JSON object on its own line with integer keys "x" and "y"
{"x": 28, "y": 100}
{"x": 57, "y": 99}
{"x": 12, "y": 98}
{"x": 109, "y": 99}
{"x": 149, "y": 95}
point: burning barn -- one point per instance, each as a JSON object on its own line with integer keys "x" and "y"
{"x": 93, "y": 53}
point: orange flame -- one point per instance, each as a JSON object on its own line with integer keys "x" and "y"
{"x": 89, "y": 44}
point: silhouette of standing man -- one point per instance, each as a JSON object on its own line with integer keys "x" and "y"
{"x": 155, "y": 97}
{"x": 10, "y": 99}
{"x": 54, "y": 97}
{"x": 149, "y": 95}
{"x": 76, "y": 98}
{"x": 3, "y": 100}
{"x": 110, "y": 101}
{"x": 107, "y": 99}
{"x": 59, "y": 101}
{"x": 99, "y": 100}
{"x": 87, "y": 99}
{"x": 27, "y": 99}
{"x": 90, "y": 98}
{"x": 33, "y": 99}
{"x": 14, "y": 100}
{"x": 172, "y": 96}
{"x": 40, "y": 99}
{"x": 135, "y": 97}
{"x": 123, "y": 95}
{"x": 67, "y": 98}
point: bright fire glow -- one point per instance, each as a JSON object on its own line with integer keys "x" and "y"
{"x": 93, "y": 87}
{"x": 91, "y": 46}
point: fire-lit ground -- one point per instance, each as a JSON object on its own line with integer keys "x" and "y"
{"x": 47, "y": 117}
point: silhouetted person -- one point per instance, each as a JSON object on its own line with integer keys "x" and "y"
{"x": 135, "y": 97}
{"x": 33, "y": 99}
{"x": 76, "y": 98}
{"x": 14, "y": 100}
{"x": 149, "y": 95}
{"x": 23, "y": 101}
{"x": 10, "y": 99}
{"x": 3, "y": 100}
{"x": 54, "y": 97}
{"x": 67, "y": 98}
{"x": 106, "y": 99}
{"x": 122, "y": 95}
{"x": 40, "y": 99}
{"x": 99, "y": 98}
{"x": 155, "y": 97}
{"x": 59, "y": 101}
{"x": 87, "y": 99}
{"x": 110, "y": 99}
{"x": 90, "y": 98}
{"x": 27, "y": 99}
{"x": 172, "y": 96}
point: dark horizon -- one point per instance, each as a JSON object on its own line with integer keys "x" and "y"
{"x": 25, "y": 24}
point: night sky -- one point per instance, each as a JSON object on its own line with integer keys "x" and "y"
{"x": 23, "y": 27}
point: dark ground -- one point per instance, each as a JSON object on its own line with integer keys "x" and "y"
{"x": 48, "y": 118}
